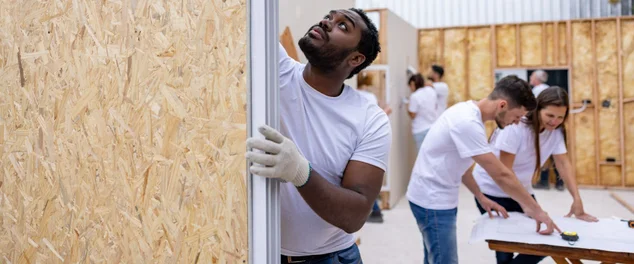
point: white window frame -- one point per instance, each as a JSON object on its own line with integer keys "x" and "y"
{"x": 262, "y": 108}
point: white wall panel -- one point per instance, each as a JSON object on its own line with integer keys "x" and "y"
{"x": 448, "y": 13}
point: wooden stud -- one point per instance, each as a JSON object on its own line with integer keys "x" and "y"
{"x": 571, "y": 121}
{"x": 595, "y": 95}
{"x": 622, "y": 202}
{"x": 619, "y": 55}
{"x": 466, "y": 64}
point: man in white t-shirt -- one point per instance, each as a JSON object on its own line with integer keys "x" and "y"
{"x": 423, "y": 109}
{"x": 436, "y": 74}
{"x": 538, "y": 80}
{"x": 454, "y": 142}
{"x": 333, "y": 145}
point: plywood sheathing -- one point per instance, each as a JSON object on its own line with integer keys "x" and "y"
{"x": 455, "y": 61}
{"x": 562, "y": 54}
{"x": 531, "y": 44}
{"x": 628, "y": 112}
{"x": 582, "y": 62}
{"x": 479, "y": 63}
{"x": 608, "y": 88}
{"x": 122, "y": 132}
{"x": 627, "y": 30}
{"x": 506, "y": 44}
{"x": 585, "y": 147}
{"x": 549, "y": 45}
{"x": 429, "y": 49}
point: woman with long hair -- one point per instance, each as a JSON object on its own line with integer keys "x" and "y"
{"x": 524, "y": 148}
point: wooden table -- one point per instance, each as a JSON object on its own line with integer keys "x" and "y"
{"x": 562, "y": 255}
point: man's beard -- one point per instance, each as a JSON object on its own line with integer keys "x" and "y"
{"x": 499, "y": 117}
{"x": 325, "y": 58}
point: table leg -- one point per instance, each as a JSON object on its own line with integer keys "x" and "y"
{"x": 560, "y": 260}
{"x": 575, "y": 261}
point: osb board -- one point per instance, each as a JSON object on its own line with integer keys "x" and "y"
{"x": 286, "y": 39}
{"x": 378, "y": 83}
{"x": 608, "y": 84}
{"x": 480, "y": 72}
{"x": 627, "y": 31}
{"x": 582, "y": 61}
{"x": 506, "y": 46}
{"x": 562, "y": 34}
{"x": 455, "y": 60}
{"x": 549, "y": 49}
{"x": 610, "y": 175}
{"x": 429, "y": 49}
{"x": 531, "y": 44}
{"x": 585, "y": 147}
{"x": 628, "y": 118}
{"x": 123, "y": 132}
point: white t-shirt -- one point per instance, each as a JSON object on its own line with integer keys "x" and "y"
{"x": 519, "y": 140}
{"x": 445, "y": 156}
{"x": 329, "y": 132}
{"x": 539, "y": 88}
{"x": 370, "y": 96}
{"x": 443, "y": 93}
{"x": 423, "y": 102}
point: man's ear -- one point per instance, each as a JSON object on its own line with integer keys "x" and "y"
{"x": 356, "y": 59}
{"x": 503, "y": 104}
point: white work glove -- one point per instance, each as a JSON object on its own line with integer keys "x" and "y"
{"x": 281, "y": 159}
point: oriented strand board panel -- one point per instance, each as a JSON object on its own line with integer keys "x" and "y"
{"x": 550, "y": 44}
{"x": 377, "y": 80}
{"x": 628, "y": 115}
{"x": 480, "y": 72}
{"x": 506, "y": 45}
{"x": 582, "y": 62}
{"x": 562, "y": 55}
{"x": 531, "y": 44}
{"x": 610, "y": 175}
{"x": 608, "y": 84}
{"x": 627, "y": 31}
{"x": 585, "y": 147}
{"x": 429, "y": 49}
{"x": 455, "y": 64}
{"x": 122, "y": 132}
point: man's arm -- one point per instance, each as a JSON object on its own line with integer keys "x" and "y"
{"x": 486, "y": 203}
{"x": 348, "y": 206}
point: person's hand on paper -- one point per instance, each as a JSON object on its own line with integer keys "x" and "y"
{"x": 577, "y": 210}
{"x": 542, "y": 217}
{"x": 489, "y": 205}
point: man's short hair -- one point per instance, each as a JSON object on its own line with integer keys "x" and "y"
{"x": 369, "y": 44}
{"x": 438, "y": 69}
{"x": 515, "y": 91}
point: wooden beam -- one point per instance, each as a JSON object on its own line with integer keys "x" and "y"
{"x": 619, "y": 55}
{"x": 622, "y": 202}
{"x": 595, "y": 96}
{"x": 560, "y": 260}
{"x": 466, "y": 64}
{"x": 571, "y": 144}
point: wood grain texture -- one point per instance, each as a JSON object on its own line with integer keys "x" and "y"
{"x": 563, "y": 44}
{"x": 505, "y": 40}
{"x": 429, "y": 49}
{"x": 455, "y": 59}
{"x": 582, "y": 61}
{"x": 585, "y": 147}
{"x": 627, "y": 40}
{"x": 531, "y": 44}
{"x": 608, "y": 87}
{"x": 549, "y": 49}
{"x": 628, "y": 117}
{"x": 480, "y": 72}
{"x": 122, "y": 131}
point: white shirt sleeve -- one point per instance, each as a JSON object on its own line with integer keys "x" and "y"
{"x": 374, "y": 146}
{"x": 560, "y": 147}
{"x": 413, "y": 102}
{"x": 286, "y": 65}
{"x": 508, "y": 139}
{"x": 470, "y": 138}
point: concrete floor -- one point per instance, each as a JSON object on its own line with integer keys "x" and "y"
{"x": 398, "y": 240}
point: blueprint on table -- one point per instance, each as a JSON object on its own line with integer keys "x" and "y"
{"x": 607, "y": 234}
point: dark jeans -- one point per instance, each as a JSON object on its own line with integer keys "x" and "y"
{"x": 347, "y": 256}
{"x": 504, "y": 257}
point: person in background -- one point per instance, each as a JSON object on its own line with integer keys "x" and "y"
{"x": 442, "y": 90}
{"x": 422, "y": 107}
{"x": 538, "y": 81}
{"x": 364, "y": 84}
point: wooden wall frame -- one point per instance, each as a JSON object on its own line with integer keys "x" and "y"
{"x": 554, "y": 38}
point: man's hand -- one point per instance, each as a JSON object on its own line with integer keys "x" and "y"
{"x": 281, "y": 159}
{"x": 577, "y": 210}
{"x": 542, "y": 217}
{"x": 489, "y": 205}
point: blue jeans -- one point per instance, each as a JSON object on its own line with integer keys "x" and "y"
{"x": 346, "y": 256}
{"x": 419, "y": 137}
{"x": 375, "y": 207}
{"x": 439, "y": 234}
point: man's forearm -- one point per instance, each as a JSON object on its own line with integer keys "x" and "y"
{"x": 472, "y": 185}
{"x": 341, "y": 207}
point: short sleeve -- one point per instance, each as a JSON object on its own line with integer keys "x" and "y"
{"x": 560, "y": 144}
{"x": 508, "y": 139}
{"x": 374, "y": 146}
{"x": 470, "y": 138}
{"x": 286, "y": 64}
{"x": 413, "y": 103}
